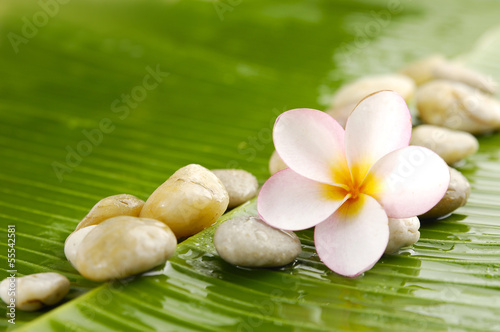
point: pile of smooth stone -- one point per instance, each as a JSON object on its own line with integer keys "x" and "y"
{"x": 453, "y": 102}
{"x": 123, "y": 235}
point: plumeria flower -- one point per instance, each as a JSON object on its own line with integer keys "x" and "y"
{"x": 348, "y": 182}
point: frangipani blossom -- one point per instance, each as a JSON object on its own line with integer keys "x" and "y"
{"x": 348, "y": 182}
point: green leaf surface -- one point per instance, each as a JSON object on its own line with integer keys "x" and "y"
{"x": 83, "y": 117}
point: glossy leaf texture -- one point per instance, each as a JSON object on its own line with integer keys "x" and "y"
{"x": 109, "y": 97}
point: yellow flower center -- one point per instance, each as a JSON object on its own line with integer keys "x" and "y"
{"x": 352, "y": 183}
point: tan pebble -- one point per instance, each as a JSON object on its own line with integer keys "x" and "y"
{"x": 73, "y": 241}
{"x": 341, "y": 113}
{"x": 35, "y": 291}
{"x": 355, "y": 91}
{"x": 241, "y": 185}
{"x": 192, "y": 199}
{"x": 456, "y": 196}
{"x": 402, "y": 233}
{"x": 124, "y": 246}
{"x": 422, "y": 70}
{"x": 451, "y": 145}
{"x": 436, "y": 67}
{"x": 457, "y": 72}
{"x": 250, "y": 242}
{"x": 276, "y": 164}
{"x": 457, "y": 106}
{"x": 348, "y": 96}
{"x": 112, "y": 206}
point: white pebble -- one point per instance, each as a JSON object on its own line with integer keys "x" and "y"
{"x": 73, "y": 241}
{"x": 192, "y": 199}
{"x": 276, "y": 164}
{"x": 241, "y": 185}
{"x": 348, "y": 96}
{"x": 248, "y": 241}
{"x": 451, "y": 145}
{"x": 32, "y": 292}
{"x": 124, "y": 246}
{"x": 457, "y": 106}
{"x": 402, "y": 233}
{"x": 456, "y": 196}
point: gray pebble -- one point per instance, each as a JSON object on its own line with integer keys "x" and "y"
{"x": 250, "y": 242}
{"x": 456, "y": 196}
{"x": 451, "y": 145}
{"x": 240, "y": 185}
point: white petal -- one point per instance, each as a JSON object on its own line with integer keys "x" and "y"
{"x": 312, "y": 144}
{"x": 292, "y": 202}
{"x": 354, "y": 238}
{"x": 381, "y": 123}
{"x": 409, "y": 181}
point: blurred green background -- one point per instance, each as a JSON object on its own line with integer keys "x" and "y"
{"x": 105, "y": 97}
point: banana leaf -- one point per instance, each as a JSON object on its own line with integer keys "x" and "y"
{"x": 105, "y": 97}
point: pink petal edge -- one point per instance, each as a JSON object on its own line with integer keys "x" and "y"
{"x": 290, "y": 201}
{"x": 413, "y": 180}
{"x": 352, "y": 240}
{"x": 311, "y": 143}
{"x": 380, "y": 124}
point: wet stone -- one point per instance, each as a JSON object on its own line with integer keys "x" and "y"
{"x": 250, "y": 242}
{"x": 241, "y": 185}
{"x": 34, "y": 291}
{"x": 451, "y": 145}
{"x": 402, "y": 233}
{"x": 456, "y": 196}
